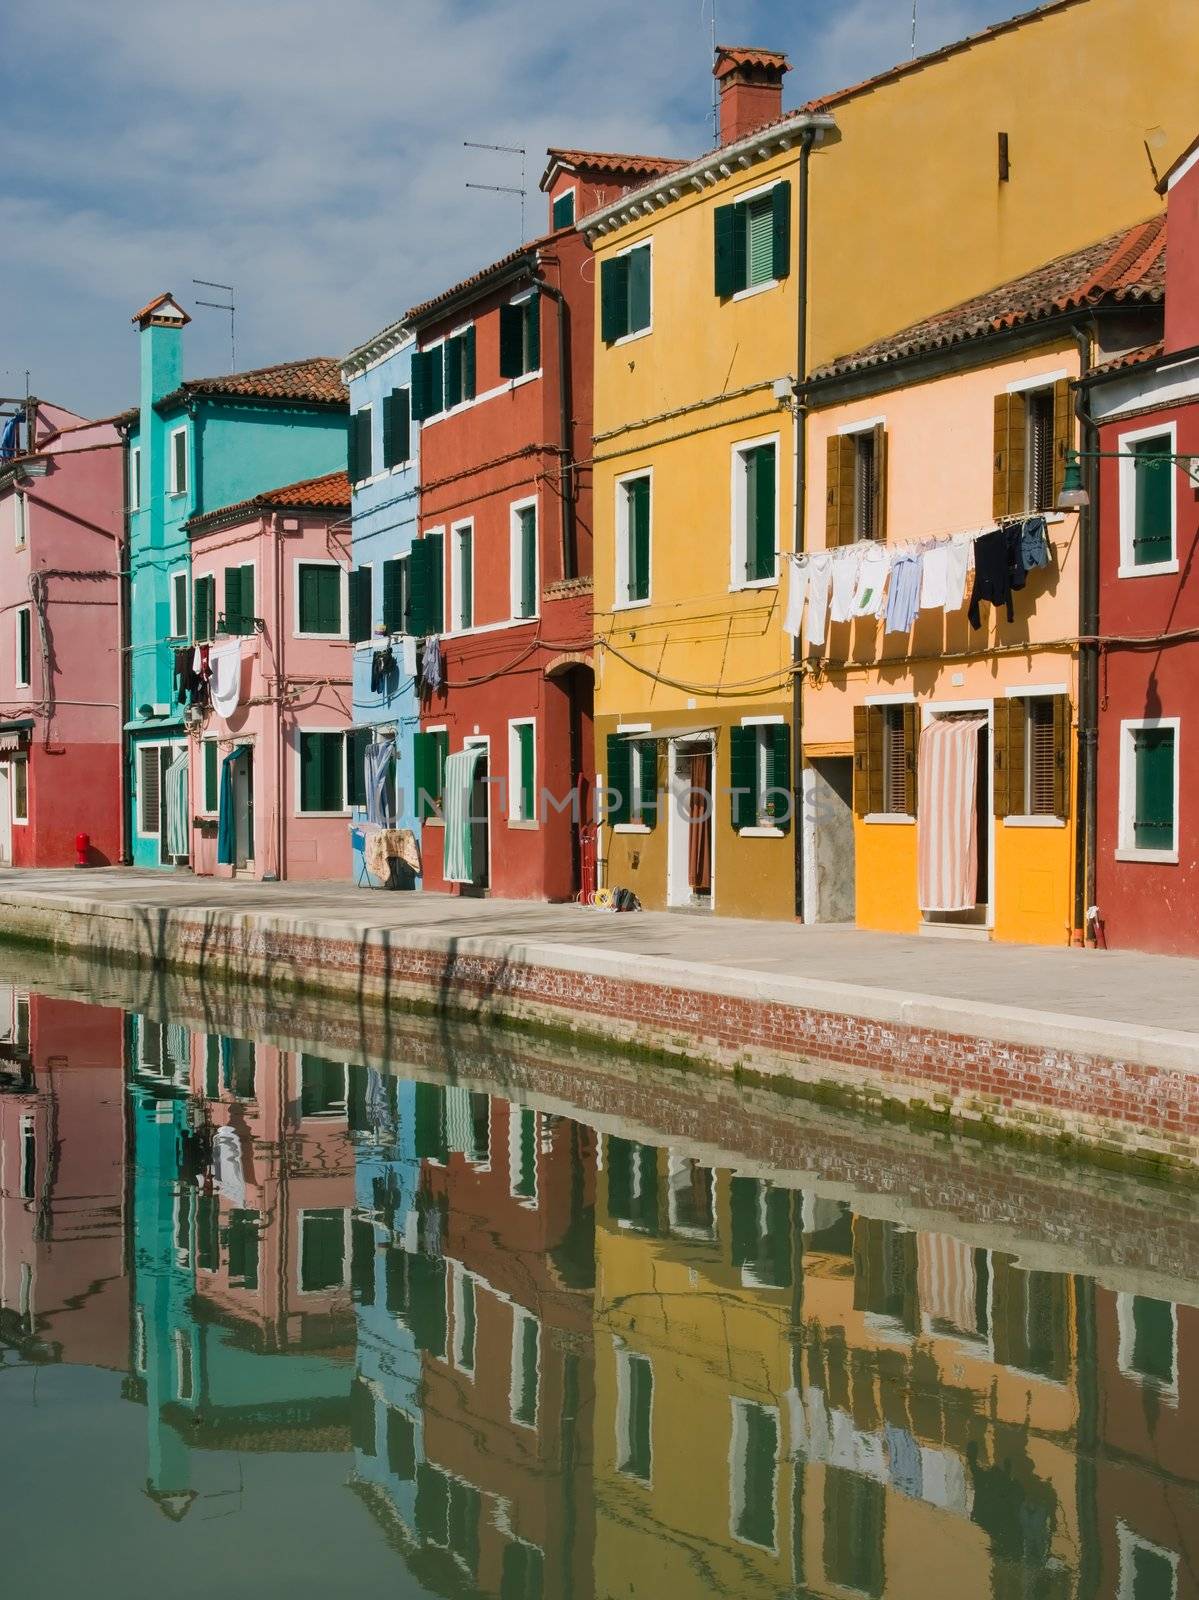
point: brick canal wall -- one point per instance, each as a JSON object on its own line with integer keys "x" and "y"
{"x": 1119, "y": 1093}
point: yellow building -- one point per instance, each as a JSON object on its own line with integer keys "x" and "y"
{"x": 925, "y": 185}
{"x": 957, "y": 425}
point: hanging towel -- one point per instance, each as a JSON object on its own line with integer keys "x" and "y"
{"x": 225, "y": 663}
{"x": 430, "y": 664}
{"x": 178, "y": 828}
{"x": 379, "y": 757}
{"x": 820, "y": 577}
{"x": 408, "y": 655}
{"x": 959, "y": 554}
{"x": 947, "y": 1282}
{"x": 226, "y": 833}
{"x": 934, "y": 572}
{"x": 903, "y": 592}
{"x": 797, "y": 585}
{"x": 947, "y": 822}
{"x": 873, "y": 567}
{"x": 460, "y": 769}
{"x": 846, "y": 564}
{"x": 227, "y": 1171}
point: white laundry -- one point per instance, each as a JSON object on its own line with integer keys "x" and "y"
{"x": 872, "y": 581}
{"x": 408, "y": 646}
{"x": 227, "y": 1174}
{"x": 820, "y": 573}
{"x": 846, "y": 564}
{"x": 797, "y": 585}
{"x": 225, "y": 663}
{"x": 933, "y": 577}
{"x": 958, "y": 554}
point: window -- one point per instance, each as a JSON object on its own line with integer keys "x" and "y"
{"x": 178, "y": 460}
{"x": 633, "y": 540}
{"x": 322, "y": 1250}
{"x": 753, "y": 241}
{"x": 239, "y": 1067}
{"x": 855, "y": 502}
{"x": 522, "y": 791}
{"x": 360, "y": 462}
{"x": 322, "y": 772}
{"x": 179, "y": 605}
{"x": 463, "y": 577}
{"x": 357, "y": 742}
{"x": 239, "y": 599}
{"x": 760, "y": 1224}
{"x": 1148, "y": 1341}
{"x": 20, "y": 789}
{"x": 318, "y": 606}
{"x": 149, "y": 804}
{"x": 520, "y": 336}
{"x": 324, "y": 1087}
{"x": 428, "y": 383}
{"x": 397, "y": 428}
{"x": 430, "y": 750}
{"x": 755, "y": 513}
{"x": 884, "y": 760}
{"x": 1031, "y": 757}
{"x": 465, "y": 1319}
{"x": 691, "y": 1198}
{"x": 632, "y": 781}
{"x": 523, "y": 561}
{"x": 28, "y": 1175}
{"x": 562, "y": 213}
{"x": 625, "y": 294}
{"x": 204, "y": 609}
{"x": 20, "y": 511}
{"x": 522, "y": 1153}
{"x": 1148, "y": 502}
{"x": 211, "y": 787}
{"x": 633, "y": 1184}
{"x": 1032, "y": 436}
{"x": 1030, "y": 1319}
{"x": 526, "y": 1361}
{"x": 634, "y": 1415}
{"x": 183, "y": 1364}
{"x": 1147, "y": 1571}
{"x": 426, "y": 603}
{"x": 753, "y": 1474}
{"x": 24, "y": 646}
{"x": 135, "y": 478}
{"x": 855, "y": 1509}
{"x": 459, "y": 356}
{"x": 396, "y": 595}
{"x": 401, "y": 1445}
{"x": 760, "y": 760}
{"x": 360, "y": 584}
{"x": 1149, "y": 790}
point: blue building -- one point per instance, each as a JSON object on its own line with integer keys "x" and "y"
{"x": 384, "y": 479}
{"x": 194, "y": 445}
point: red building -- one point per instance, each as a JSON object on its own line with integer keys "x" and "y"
{"x": 1146, "y": 410}
{"x": 502, "y": 388}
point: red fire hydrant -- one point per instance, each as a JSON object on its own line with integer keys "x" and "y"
{"x": 83, "y": 848}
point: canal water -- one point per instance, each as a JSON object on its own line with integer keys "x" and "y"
{"x": 274, "y": 1322}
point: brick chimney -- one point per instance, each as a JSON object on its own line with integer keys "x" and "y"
{"x": 751, "y": 89}
{"x": 1181, "y": 189}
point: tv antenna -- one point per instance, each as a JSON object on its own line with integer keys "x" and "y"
{"x": 703, "y": 6}
{"x": 504, "y": 188}
{"x": 231, "y": 308}
{"x": 915, "y": 3}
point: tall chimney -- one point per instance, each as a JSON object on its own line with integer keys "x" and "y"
{"x": 1181, "y": 189}
{"x": 751, "y": 89}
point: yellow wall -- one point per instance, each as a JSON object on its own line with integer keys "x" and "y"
{"x": 939, "y": 481}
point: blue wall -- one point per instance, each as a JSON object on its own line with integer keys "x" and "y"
{"x": 384, "y": 526}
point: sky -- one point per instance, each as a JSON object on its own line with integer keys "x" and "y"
{"x": 310, "y": 152}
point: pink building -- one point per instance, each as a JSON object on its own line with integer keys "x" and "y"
{"x": 61, "y": 526}
{"x": 274, "y": 764}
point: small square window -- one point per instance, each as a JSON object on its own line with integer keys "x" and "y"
{"x": 1149, "y": 790}
{"x": 563, "y": 211}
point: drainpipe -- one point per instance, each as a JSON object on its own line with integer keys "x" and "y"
{"x": 124, "y": 556}
{"x": 566, "y": 447}
{"x": 280, "y": 679}
{"x": 807, "y": 139}
{"x": 1087, "y": 776}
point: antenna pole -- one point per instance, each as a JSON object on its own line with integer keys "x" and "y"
{"x": 231, "y": 308}
{"x": 503, "y": 188}
{"x": 915, "y": 3}
{"x": 715, "y": 86}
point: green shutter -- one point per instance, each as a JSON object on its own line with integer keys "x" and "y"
{"x": 614, "y": 298}
{"x": 725, "y": 225}
{"x": 429, "y": 752}
{"x": 312, "y": 765}
{"x": 356, "y": 742}
{"x": 334, "y": 785}
{"x": 781, "y": 201}
{"x": 619, "y": 779}
{"x": 647, "y": 760}
{"x": 426, "y": 383}
{"x": 512, "y": 341}
{"x": 232, "y": 599}
{"x": 562, "y": 214}
{"x": 638, "y": 533}
{"x": 393, "y": 595}
{"x": 248, "y": 608}
{"x": 309, "y": 599}
{"x": 365, "y": 450}
{"x": 778, "y": 775}
{"x": 468, "y": 363}
{"x": 1154, "y": 821}
{"x": 396, "y": 428}
{"x": 436, "y": 542}
{"x": 361, "y": 601}
{"x": 527, "y": 524}
{"x": 740, "y": 247}
{"x": 639, "y": 288}
{"x": 743, "y": 750}
{"x": 760, "y": 513}
{"x": 533, "y": 331}
{"x": 525, "y": 743}
{"x": 1152, "y": 536}
{"x": 420, "y": 584}
{"x": 452, "y": 355}
{"x": 211, "y": 787}
{"x": 352, "y": 471}
{"x": 759, "y": 235}
{"x": 201, "y": 614}
{"x": 330, "y": 604}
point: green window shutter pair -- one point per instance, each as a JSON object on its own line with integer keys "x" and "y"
{"x": 523, "y": 777}
{"x": 752, "y": 241}
{"x": 239, "y": 599}
{"x": 427, "y": 372}
{"x": 429, "y": 753}
{"x": 361, "y": 604}
{"x": 1154, "y": 826}
{"x": 625, "y": 294}
{"x": 637, "y": 493}
{"x": 520, "y": 337}
{"x": 619, "y": 780}
{"x": 320, "y": 598}
{"x": 527, "y": 557}
{"x": 425, "y": 600}
{"x": 743, "y": 748}
{"x": 321, "y": 760}
{"x": 211, "y": 789}
{"x": 562, "y": 214}
{"x": 356, "y": 742}
{"x": 395, "y": 597}
{"x": 760, "y": 513}
{"x": 1152, "y": 535}
{"x": 397, "y": 428}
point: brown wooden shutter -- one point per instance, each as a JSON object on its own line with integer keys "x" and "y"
{"x": 1061, "y": 433}
{"x": 861, "y": 760}
{"x": 1010, "y": 742}
{"x": 834, "y": 512}
{"x": 1007, "y": 495}
{"x": 876, "y": 755}
{"x": 878, "y": 488}
{"x": 1061, "y": 756}
{"x": 911, "y": 747}
{"x": 999, "y": 479}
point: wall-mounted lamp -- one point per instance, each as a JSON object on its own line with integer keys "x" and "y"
{"x": 1074, "y": 496}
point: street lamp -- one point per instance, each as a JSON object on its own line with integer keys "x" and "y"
{"x": 1074, "y": 496}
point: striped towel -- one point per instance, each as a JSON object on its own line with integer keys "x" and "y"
{"x": 947, "y": 829}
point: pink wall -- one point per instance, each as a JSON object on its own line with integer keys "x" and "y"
{"x": 1182, "y": 262}
{"x": 318, "y": 693}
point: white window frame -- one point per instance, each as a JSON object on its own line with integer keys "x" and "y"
{"x": 339, "y": 1113}
{"x": 1126, "y": 849}
{"x": 1033, "y": 692}
{"x": 639, "y": 333}
{"x": 467, "y": 524}
{"x": 297, "y": 749}
{"x": 178, "y": 631}
{"x": 321, "y": 561}
{"x": 1128, "y": 501}
{"x": 514, "y": 563}
{"x": 1127, "y": 1343}
{"x": 135, "y": 477}
{"x": 331, "y": 1288}
{"x": 624, "y": 1417}
{"x": 1128, "y": 1543}
{"x": 460, "y": 1279}
{"x": 515, "y": 821}
{"x": 738, "y": 1438}
{"x": 157, "y": 746}
{"x": 177, "y": 488}
{"x": 20, "y": 511}
{"x": 520, "y": 1316}
{"x": 678, "y": 1163}
{"x": 739, "y": 541}
{"x": 635, "y": 775}
{"x": 760, "y": 829}
{"x": 19, "y": 819}
{"x": 520, "y": 299}
{"x": 771, "y": 283}
{"x": 18, "y": 680}
{"x": 572, "y": 189}
{"x": 622, "y": 541}
{"x": 516, "y": 1115}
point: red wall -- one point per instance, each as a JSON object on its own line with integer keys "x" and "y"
{"x": 1182, "y": 263}
{"x": 1146, "y": 905}
{"x": 72, "y": 789}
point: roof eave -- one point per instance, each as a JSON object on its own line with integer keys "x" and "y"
{"x": 420, "y": 317}
{"x": 709, "y": 169}
{"x": 186, "y": 395}
{"x": 384, "y": 343}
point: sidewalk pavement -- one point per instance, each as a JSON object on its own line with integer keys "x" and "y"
{"x": 1124, "y": 988}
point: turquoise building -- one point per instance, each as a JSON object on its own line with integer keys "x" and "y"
{"x": 196, "y": 445}
{"x": 384, "y": 473}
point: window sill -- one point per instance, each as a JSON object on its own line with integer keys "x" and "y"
{"x": 524, "y": 824}
{"x": 337, "y": 637}
{"x": 346, "y": 815}
{"x": 533, "y": 616}
{"x": 756, "y": 288}
{"x": 631, "y": 605}
{"x": 1034, "y": 822}
{"x": 433, "y": 822}
{"x": 631, "y": 338}
{"x": 1151, "y": 569}
{"x": 525, "y": 377}
{"x": 1164, "y": 858}
{"x": 631, "y": 827}
{"x": 890, "y": 819}
{"x": 763, "y": 831}
{"x": 754, "y": 583}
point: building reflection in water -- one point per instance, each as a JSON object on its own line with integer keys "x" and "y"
{"x": 562, "y": 1363}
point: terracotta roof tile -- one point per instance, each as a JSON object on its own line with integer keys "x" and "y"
{"x": 330, "y": 492}
{"x": 730, "y": 56}
{"x": 1133, "y": 358}
{"x": 317, "y": 378}
{"x": 1126, "y": 267}
{"x": 158, "y": 300}
{"x": 611, "y": 162}
{"x": 479, "y": 279}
